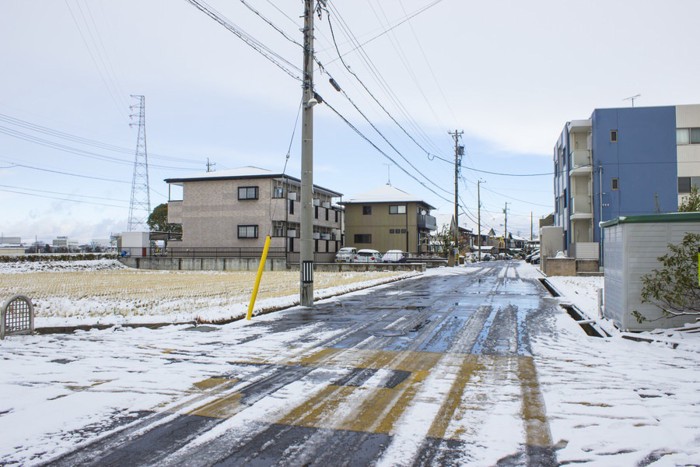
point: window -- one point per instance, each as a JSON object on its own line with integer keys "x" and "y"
{"x": 278, "y": 229}
{"x": 366, "y": 210}
{"x": 291, "y": 206}
{"x": 686, "y": 183}
{"x": 248, "y": 192}
{"x": 247, "y": 231}
{"x": 687, "y": 136}
{"x": 278, "y": 192}
{"x": 315, "y": 212}
{"x": 615, "y": 183}
{"x": 613, "y": 136}
{"x": 327, "y": 215}
{"x": 695, "y": 136}
{"x": 337, "y": 216}
{"x": 363, "y": 238}
{"x": 398, "y": 209}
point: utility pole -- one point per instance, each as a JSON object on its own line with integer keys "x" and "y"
{"x": 459, "y": 152}
{"x": 478, "y": 216}
{"x": 505, "y": 228}
{"x": 210, "y": 166}
{"x": 306, "y": 257}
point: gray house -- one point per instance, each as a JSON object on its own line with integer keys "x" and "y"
{"x": 236, "y": 209}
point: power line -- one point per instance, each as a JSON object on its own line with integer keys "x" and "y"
{"x": 73, "y": 150}
{"x": 374, "y": 71}
{"x": 42, "y": 169}
{"x": 363, "y": 136}
{"x": 62, "y": 194}
{"x": 62, "y": 199}
{"x": 82, "y": 140}
{"x": 273, "y": 25}
{"x": 272, "y": 56}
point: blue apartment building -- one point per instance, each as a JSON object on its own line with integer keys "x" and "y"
{"x": 622, "y": 162}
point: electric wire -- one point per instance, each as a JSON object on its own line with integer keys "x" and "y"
{"x": 85, "y": 141}
{"x": 273, "y": 25}
{"x": 374, "y": 71}
{"x": 43, "y": 169}
{"x": 283, "y": 64}
{"x": 73, "y": 150}
{"x": 62, "y": 194}
{"x": 104, "y": 79}
{"x": 363, "y": 136}
{"x": 407, "y": 66}
{"x": 62, "y": 199}
{"x": 335, "y": 43}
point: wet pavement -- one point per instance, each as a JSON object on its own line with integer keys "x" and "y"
{"x": 436, "y": 370}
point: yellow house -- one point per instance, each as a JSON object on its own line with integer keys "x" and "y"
{"x": 388, "y": 218}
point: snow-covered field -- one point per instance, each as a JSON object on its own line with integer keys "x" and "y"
{"x": 66, "y": 293}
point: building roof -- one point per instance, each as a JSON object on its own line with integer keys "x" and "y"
{"x": 242, "y": 173}
{"x": 651, "y": 218}
{"x": 385, "y": 194}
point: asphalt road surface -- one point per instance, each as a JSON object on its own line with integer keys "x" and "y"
{"x": 429, "y": 371}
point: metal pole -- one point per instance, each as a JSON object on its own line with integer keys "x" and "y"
{"x": 306, "y": 257}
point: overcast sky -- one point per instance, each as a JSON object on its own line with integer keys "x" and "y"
{"x": 507, "y": 73}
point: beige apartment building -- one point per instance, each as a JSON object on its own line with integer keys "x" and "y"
{"x": 238, "y": 208}
{"x": 388, "y": 219}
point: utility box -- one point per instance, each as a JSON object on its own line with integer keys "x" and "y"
{"x": 632, "y": 246}
{"x": 135, "y": 244}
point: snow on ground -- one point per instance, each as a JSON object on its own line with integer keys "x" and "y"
{"x": 609, "y": 401}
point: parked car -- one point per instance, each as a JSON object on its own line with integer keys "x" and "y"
{"x": 394, "y": 256}
{"x": 535, "y": 259}
{"x": 529, "y": 257}
{"x": 368, "y": 256}
{"x": 346, "y": 255}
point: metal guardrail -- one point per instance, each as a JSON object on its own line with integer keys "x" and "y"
{"x": 222, "y": 252}
{"x": 17, "y": 317}
{"x": 203, "y": 252}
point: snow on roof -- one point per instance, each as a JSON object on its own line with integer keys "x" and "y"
{"x": 242, "y": 172}
{"x": 239, "y": 172}
{"x": 385, "y": 194}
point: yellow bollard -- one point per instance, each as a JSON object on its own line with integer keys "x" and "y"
{"x": 258, "y": 277}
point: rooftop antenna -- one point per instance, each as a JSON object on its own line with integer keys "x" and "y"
{"x": 388, "y": 175}
{"x": 632, "y": 98}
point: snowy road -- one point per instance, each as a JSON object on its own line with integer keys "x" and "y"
{"x": 454, "y": 368}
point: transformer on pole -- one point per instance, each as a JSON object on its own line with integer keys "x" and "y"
{"x": 140, "y": 205}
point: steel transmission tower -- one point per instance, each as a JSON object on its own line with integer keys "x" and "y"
{"x": 140, "y": 206}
